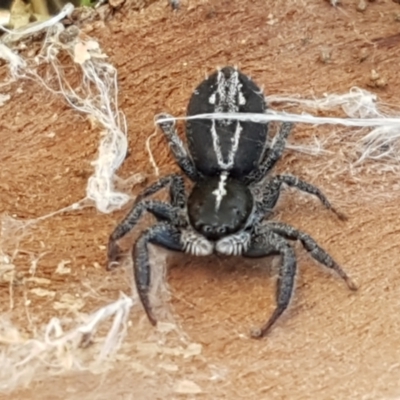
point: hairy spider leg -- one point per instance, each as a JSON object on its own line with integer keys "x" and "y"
{"x": 272, "y": 190}
{"x": 270, "y": 243}
{"x": 272, "y": 240}
{"x": 272, "y": 156}
{"x": 162, "y": 234}
{"x": 177, "y": 147}
{"x": 162, "y": 211}
{"x": 312, "y": 247}
{"x": 176, "y": 190}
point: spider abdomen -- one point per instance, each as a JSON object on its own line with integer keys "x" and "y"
{"x": 226, "y": 145}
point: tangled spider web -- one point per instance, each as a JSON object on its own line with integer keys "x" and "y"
{"x": 363, "y": 144}
{"x": 55, "y": 348}
{"x": 361, "y": 108}
{"x": 88, "y": 341}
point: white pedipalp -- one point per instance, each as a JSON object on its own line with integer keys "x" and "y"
{"x": 195, "y": 244}
{"x": 234, "y": 245}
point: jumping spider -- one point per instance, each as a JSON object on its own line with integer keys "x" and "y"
{"x": 228, "y": 161}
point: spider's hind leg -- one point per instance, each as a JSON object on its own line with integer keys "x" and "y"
{"x": 178, "y": 149}
{"x": 273, "y": 154}
{"x": 176, "y": 190}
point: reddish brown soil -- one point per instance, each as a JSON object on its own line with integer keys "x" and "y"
{"x": 331, "y": 344}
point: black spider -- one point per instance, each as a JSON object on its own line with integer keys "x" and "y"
{"x": 228, "y": 161}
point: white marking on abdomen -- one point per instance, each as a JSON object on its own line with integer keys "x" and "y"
{"x": 227, "y": 90}
{"x": 227, "y": 97}
{"x": 217, "y": 146}
{"x": 220, "y": 191}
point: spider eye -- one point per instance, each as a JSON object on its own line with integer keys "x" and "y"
{"x": 222, "y": 230}
{"x": 198, "y": 206}
{"x": 207, "y": 228}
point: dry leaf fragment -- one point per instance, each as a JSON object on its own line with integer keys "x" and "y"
{"x": 138, "y": 367}
{"x": 39, "y": 281}
{"x": 43, "y": 292}
{"x": 69, "y": 302}
{"x": 149, "y": 349}
{"x": 85, "y": 51}
{"x": 4, "y": 98}
{"x": 20, "y": 14}
{"x": 362, "y": 6}
{"x": 62, "y": 269}
{"x": 194, "y": 349}
{"x": 187, "y": 387}
{"x": 116, "y": 3}
{"x": 166, "y": 327}
{"x": 81, "y": 53}
{"x": 169, "y": 367}
{"x": 5, "y": 17}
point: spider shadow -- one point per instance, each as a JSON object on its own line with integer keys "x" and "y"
{"x": 232, "y": 289}
{"x": 222, "y": 267}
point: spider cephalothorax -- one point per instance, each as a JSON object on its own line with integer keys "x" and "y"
{"x": 219, "y": 206}
{"x": 226, "y": 212}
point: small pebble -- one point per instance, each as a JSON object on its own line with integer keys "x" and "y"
{"x": 255, "y": 333}
{"x": 364, "y": 54}
{"x": 376, "y": 80}
{"x": 381, "y": 83}
{"x": 325, "y": 56}
{"x": 362, "y": 6}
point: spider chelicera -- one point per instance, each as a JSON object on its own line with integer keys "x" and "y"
{"x": 233, "y": 194}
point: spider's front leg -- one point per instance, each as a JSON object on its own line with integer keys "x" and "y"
{"x": 271, "y": 239}
{"x": 163, "y": 234}
{"x": 312, "y": 247}
{"x": 273, "y": 188}
{"x": 178, "y": 149}
{"x": 162, "y": 211}
{"x": 270, "y": 243}
{"x": 176, "y": 185}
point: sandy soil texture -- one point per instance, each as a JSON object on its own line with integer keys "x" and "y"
{"x": 332, "y": 343}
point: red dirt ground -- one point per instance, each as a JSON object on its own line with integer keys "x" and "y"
{"x": 331, "y": 344}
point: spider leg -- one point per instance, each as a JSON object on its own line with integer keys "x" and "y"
{"x": 162, "y": 234}
{"x": 175, "y": 4}
{"x": 269, "y": 243}
{"x": 273, "y": 189}
{"x": 177, "y": 147}
{"x": 309, "y": 244}
{"x": 176, "y": 190}
{"x": 161, "y": 210}
{"x": 273, "y": 155}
